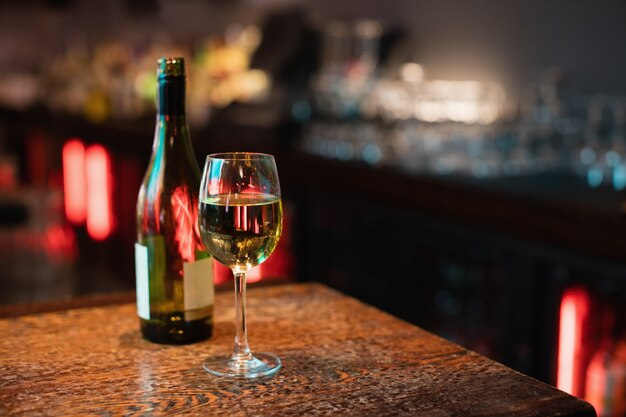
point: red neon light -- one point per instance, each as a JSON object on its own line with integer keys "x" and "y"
{"x": 59, "y": 243}
{"x": 74, "y": 180}
{"x": 602, "y": 387}
{"x": 574, "y": 309}
{"x": 99, "y": 208}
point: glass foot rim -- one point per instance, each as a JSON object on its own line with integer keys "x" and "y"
{"x": 261, "y": 365}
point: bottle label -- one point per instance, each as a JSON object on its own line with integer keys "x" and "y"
{"x": 142, "y": 268}
{"x": 198, "y": 288}
{"x": 198, "y": 284}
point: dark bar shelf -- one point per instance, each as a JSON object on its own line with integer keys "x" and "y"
{"x": 584, "y": 221}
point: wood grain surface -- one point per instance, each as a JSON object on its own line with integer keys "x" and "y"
{"x": 340, "y": 357}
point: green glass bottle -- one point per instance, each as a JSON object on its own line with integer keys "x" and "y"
{"x": 174, "y": 273}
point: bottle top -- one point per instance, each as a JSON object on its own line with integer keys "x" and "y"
{"x": 171, "y": 67}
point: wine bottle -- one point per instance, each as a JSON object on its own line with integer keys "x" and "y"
{"x": 174, "y": 273}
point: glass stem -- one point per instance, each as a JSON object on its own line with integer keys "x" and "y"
{"x": 242, "y": 350}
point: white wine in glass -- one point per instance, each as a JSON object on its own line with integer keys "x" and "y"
{"x": 240, "y": 220}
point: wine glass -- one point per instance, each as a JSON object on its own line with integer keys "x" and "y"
{"x": 240, "y": 220}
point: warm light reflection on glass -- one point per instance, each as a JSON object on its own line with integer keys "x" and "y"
{"x": 185, "y": 215}
{"x": 223, "y": 274}
{"x": 237, "y": 217}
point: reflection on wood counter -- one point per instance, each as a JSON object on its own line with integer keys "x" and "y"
{"x": 340, "y": 357}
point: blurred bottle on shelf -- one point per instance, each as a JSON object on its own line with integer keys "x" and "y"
{"x": 349, "y": 60}
{"x": 462, "y": 128}
{"x": 114, "y": 79}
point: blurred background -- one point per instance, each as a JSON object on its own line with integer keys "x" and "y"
{"x": 461, "y": 165}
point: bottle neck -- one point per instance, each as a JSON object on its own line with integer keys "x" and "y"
{"x": 171, "y": 97}
{"x": 172, "y": 131}
{"x": 171, "y": 138}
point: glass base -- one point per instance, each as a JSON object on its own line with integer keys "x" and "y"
{"x": 258, "y": 365}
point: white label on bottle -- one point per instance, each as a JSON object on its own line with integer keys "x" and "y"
{"x": 142, "y": 272}
{"x": 199, "y": 291}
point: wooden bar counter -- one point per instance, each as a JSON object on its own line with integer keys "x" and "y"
{"x": 340, "y": 357}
